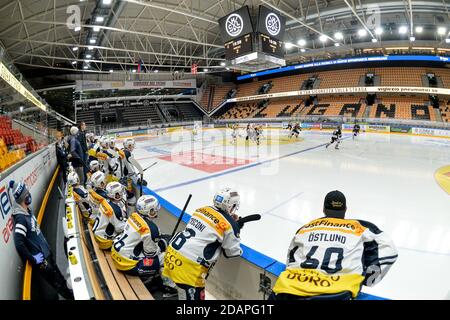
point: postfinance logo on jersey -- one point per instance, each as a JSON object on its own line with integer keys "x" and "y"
{"x": 213, "y": 218}
{"x": 138, "y": 224}
{"x": 331, "y": 224}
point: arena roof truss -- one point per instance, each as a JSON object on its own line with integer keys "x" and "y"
{"x": 157, "y": 36}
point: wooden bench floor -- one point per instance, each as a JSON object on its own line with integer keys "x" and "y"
{"x": 120, "y": 285}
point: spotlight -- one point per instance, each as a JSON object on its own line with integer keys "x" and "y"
{"x": 362, "y": 32}
{"x": 403, "y": 29}
{"x": 338, "y": 36}
{"x": 441, "y": 30}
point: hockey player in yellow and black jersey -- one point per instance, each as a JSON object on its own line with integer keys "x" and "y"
{"x": 80, "y": 195}
{"x": 131, "y": 170}
{"x": 192, "y": 252}
{"x": 139, "y": 250}
{"x": 93, "y": 149}
{"x": 94, "y": 166}
{"x": 333, "y": 257}
{"x": 112, "y": 216}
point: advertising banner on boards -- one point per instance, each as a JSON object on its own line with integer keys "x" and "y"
{"x": 36, "y": 173}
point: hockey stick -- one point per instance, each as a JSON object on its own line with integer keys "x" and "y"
{"x": 181, "y": 215}
{"x": 154, "y": 163}
{"x": 244, "y": 220}
{"x": 145, "y": 168}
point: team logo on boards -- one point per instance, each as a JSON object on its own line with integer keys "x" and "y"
{"x": 273, "y": 24}
{"x": 234, "y": 25}
{"x": 442, "y": 177}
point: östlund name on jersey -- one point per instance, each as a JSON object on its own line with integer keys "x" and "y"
{"x": 331, "y": 237}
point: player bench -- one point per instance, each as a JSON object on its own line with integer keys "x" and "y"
{"x": 108, "y": 282}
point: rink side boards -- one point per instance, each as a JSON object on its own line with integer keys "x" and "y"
{"x": 36, "y": 171}
{"x": 231, "y": 279}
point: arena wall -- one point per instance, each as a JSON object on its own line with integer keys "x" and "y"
{"x": 36, "y": 171}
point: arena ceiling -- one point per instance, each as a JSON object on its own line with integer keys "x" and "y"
{"x": 116, "y": 35}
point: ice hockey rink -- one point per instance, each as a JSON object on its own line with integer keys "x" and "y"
{"x": 388, "y": 179}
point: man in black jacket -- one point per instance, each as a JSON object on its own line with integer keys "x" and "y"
{"x": 31, "y": 243}
{"x": 77, "y": 155}
{"x": 61, "y": 157}
{"x": 84, "y": 146}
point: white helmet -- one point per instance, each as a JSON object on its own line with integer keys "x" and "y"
{"x": 148, "y": 206}
{"x": 98, "y": 180}
{"x": 94, "y": 165}
{"x": 74, "y": 131}
{"x": 112, "y": 142}
{"x": 73, "y": 179}
{"x": 115, "y": 191}
{"x": 104, "y": 142}
{"x": 227, "y": 200}
{"x": 129, "y": 143}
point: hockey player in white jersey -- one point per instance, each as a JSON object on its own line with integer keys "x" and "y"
{"x": 112, "y": 216}
{"x": 333, "y": 257}
{"x": 234, "y": 133}
{"x": 94, "y": 166}
{"x": 192, "y": 252}
{"x": 139, "y": 250}
{"x": 97, "y": 194}
{"x": 114, "y": 161}
{"x": 132, "y": 171}
{"x": 80, "y": 195}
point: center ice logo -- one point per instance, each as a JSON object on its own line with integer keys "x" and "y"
{"x": 442, "y": 177}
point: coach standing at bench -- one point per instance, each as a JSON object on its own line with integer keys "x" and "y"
{"x": 77, "y": 156}
{"x": 31, "y": 243}
{"x": 82, "y": 138}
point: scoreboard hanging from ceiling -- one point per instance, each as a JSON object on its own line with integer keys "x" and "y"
{"x": 238, "y": 47}
{"x": 271, "y": 46}
{"x": 235, "y": 25}
{"x": 240, "y": 38}
{"x": 271, "y": 29}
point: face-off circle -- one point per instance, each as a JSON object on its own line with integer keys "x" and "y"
{"x": 234, "y": 25}
{"x": 273, "y": 24}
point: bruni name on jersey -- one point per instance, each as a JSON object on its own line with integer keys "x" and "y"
{"x": 194, "y": 310}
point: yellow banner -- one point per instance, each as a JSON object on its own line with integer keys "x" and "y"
{"x": 9, "y": 78}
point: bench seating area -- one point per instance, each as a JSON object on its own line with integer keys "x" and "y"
{"x": 107, "y": 281}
